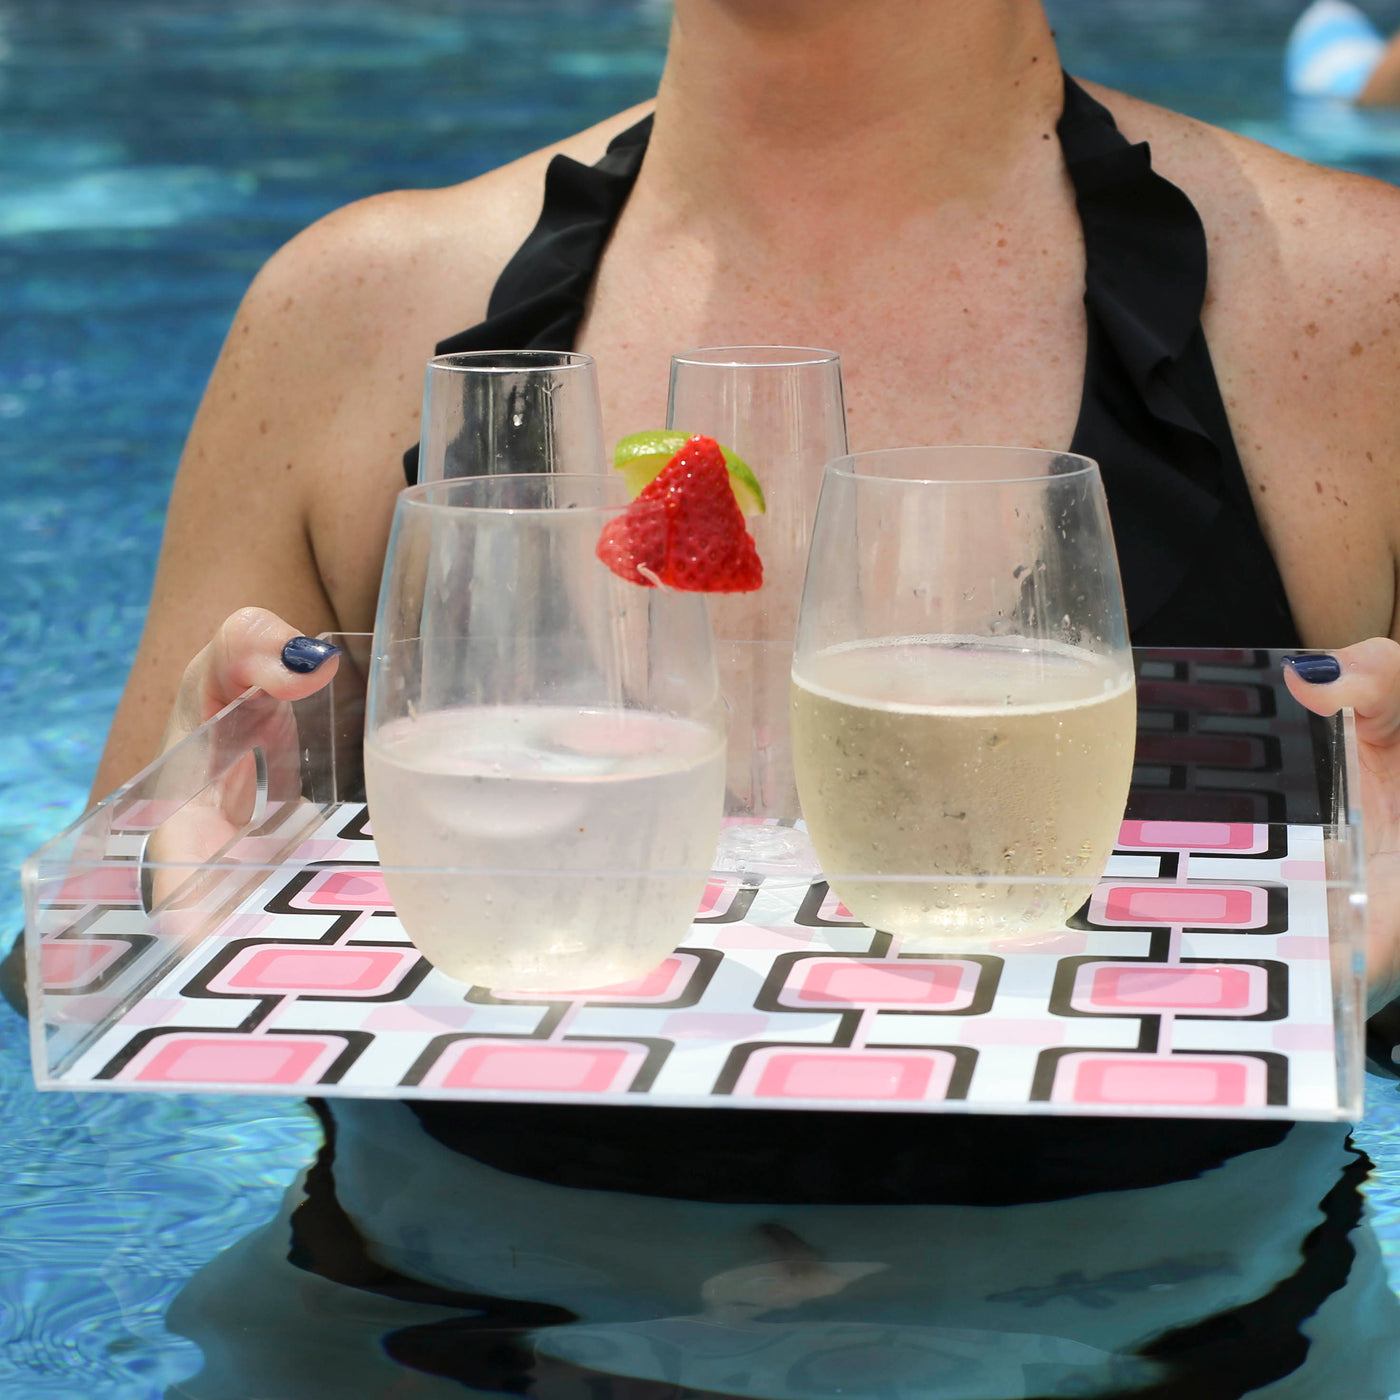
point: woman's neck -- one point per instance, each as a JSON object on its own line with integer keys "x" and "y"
{"x": 799, "y": 104}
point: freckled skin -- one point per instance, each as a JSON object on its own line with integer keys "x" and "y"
{"x": 918, "y": 219}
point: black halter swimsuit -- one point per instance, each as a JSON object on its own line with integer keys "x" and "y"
{"x": 1196, "y": 570}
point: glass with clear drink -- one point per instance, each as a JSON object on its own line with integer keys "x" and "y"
{"x": 544, "y": 741}
{"x": 782, "y": 409}
{"x": 504, "y": 411}
{"x": 963, "y": 706}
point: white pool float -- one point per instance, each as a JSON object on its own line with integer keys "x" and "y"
{"x": 1331, "y": 51}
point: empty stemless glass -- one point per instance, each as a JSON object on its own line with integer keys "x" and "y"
{"x": 544, "y": 745}
{"x": 782, "y": 409}
{"x": 506, "y": 411}
{"x": 962, "y": 688}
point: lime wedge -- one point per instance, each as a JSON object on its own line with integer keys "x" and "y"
{"x": 641, "y": 456}
{"x": 744, "y": 484}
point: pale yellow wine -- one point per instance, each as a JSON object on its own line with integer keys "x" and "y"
{"x": 951, "y": 756}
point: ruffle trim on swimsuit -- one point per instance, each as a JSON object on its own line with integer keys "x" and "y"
{"x": 1152, "y": 415}
{"x": 544, "y": 288}
{"x": 539, "y": 299}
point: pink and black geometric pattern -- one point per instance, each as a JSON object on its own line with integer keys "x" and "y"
{"x": 1195, "y": 980}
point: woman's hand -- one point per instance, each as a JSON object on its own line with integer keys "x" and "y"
{"x": 1366, "y": 677}
{"x": 252, "y": 648}
{"x": 258, "y": 755}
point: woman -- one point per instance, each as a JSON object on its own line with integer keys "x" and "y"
{"x": 883, "y": 178}
{"x": 914, "y": 183}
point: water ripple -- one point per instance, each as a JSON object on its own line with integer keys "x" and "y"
{"x": 112, "y": 1201}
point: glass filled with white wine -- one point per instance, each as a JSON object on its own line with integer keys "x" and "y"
{"x": 963, "y": 706}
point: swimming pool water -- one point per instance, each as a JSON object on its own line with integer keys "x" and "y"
{"x": 152, "y": 154}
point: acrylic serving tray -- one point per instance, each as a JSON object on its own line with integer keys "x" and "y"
{"x": 221, "y": 925}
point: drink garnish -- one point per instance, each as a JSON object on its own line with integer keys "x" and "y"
{"x": 641, "y": 457}
{"x": 685, "y": 530}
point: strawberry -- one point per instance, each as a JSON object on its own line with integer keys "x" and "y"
{"x": 706, "y": 547}
{"x": 636, "y": 537}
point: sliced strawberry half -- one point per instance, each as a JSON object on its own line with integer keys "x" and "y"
{"x": 636, "y": 540}
{"x": 685, "y": 529}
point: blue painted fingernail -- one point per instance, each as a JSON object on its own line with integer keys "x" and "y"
{"x": 306, "y": 654}
{"x": 1316, "y": 670}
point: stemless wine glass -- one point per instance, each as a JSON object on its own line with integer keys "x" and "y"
{"x": 782, "y": 409}
{"x": 544, "y": 742}
{"x": 963, "y": 708}
{"x": 505, "y": 411}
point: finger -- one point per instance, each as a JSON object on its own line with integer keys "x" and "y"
{"x": 255, "y": 647}
{"x": 1364, "y": 677}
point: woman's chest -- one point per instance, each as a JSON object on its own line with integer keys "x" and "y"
{"x": 968, "y": 342}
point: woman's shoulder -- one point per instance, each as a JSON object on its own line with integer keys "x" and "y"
{"x": 422, "y": 259}
{"x": 318, "y": 389}
{"x": 1302, "y": 315}
{"x": 1270, "y": 212}
{"x": 1304, "y": 262}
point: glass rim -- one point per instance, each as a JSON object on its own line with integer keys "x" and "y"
{"x": 481, "y": 361}
{"x": 847, "y": 466}
{"x": 792, "y": 356}
{"x": 419, "y": 497}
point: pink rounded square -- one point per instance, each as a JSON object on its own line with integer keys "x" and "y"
{"x": 72, "y": 962}
{"x": 1242, "y": 838}
{"x": 1220, "y": 906}
{"x": 116, "y": 883}
{"x": 1228, "y": 989}
{"x": 1213, "y": 1081}
{"x": 345, "y": 972}
{"x": 233, "y": 1059}
{"x": 946, "y": 984}
{"x": 852, "y": 1074}
{"x": 345, "y": 889}
{"x": 576, "y": 1069}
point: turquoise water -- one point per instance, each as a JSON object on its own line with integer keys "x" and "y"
{"x": 110, "y": 1203}
{"x": 152, "y": 154}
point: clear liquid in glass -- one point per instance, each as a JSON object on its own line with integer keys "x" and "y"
{"x": 570, "y": 843}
